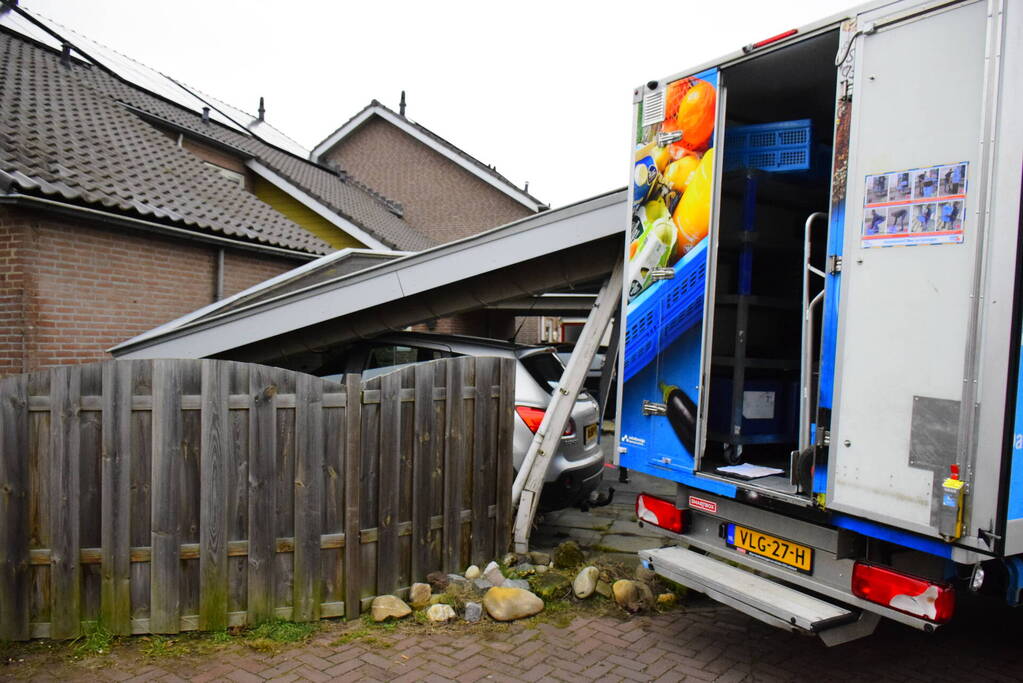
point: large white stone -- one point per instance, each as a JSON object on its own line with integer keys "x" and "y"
{"x": 585, "y": 582}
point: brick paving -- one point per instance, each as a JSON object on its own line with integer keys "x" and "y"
{"x": 709, "y": 643}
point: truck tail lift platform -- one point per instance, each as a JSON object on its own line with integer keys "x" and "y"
{"x": 821, "y": 325}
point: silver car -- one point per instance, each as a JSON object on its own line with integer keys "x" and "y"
{"x": 577, "y": 466}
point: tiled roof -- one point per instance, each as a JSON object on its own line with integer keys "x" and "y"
{"x": 484, "y": 168}
{"x": 66, "y": 130}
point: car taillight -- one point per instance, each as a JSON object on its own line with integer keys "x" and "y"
{"x": 534, "y": 416}
{"x": 659, "y": 512}
{"x": 919, "y": 597}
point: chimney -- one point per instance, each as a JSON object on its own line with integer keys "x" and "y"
{"x": 262, "y": 109}
{"x": 401, "y": 105}
{"x": 65, "y": 54}
{"x": 205, "y": 114}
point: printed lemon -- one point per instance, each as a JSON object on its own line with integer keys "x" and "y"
{"x": 679, "y": 173}
{"x": 696, "y": 115}
{"x": 661, "y": 157}
{"x": 692, "y": 215}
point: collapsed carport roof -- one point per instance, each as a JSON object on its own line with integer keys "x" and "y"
{"x": 311, "y": 306}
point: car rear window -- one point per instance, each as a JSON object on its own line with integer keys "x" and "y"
{"x": 545, "y": 368}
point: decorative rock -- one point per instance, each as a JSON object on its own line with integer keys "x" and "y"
{"x": 667, "y": 600}
{"x": 473, "y": 612}
{"x": 389, "y": 606}
{"x": 537, "y": 557}
{"x": 493, "y": 574}
{"x": 604, "y": 588}
{"x": 551, "y": 586}
{"x": 632, "y": 596}
{"x": 438, "y": 581}
{"x": 473, "y": 572}
{"x": 419, "y": 595}
{"x": 516, "y": 583}
{"x": 439, "y": 614}
{"x": 541, "y": 568}
{"x": 509, "y": 560}
{"x": 525, "y": 569}
{"x": 482, "y": 584}
{"x": 457, "y": 580}
{"x": 585, "y": 582}
{"x": 568, "y": 555}
{"x": 508, "y": 604}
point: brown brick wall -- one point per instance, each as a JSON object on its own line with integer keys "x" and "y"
{"x": 70, "y": 290}
{"x": 440, "y": 199}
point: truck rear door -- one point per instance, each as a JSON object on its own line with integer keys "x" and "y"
{"x": 914, "y": 233}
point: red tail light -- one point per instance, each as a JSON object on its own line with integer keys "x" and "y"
{"x": 659, "y": 512}
{"x": 534, "y": 416}
{"x": 918, "y": 597}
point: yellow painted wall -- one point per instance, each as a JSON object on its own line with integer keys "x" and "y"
{"x": 299, "y": 213}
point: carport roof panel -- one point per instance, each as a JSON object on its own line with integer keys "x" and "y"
{"x": 321, "y": 290}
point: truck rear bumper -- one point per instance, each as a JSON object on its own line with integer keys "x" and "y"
{"x": 828, "y": 581}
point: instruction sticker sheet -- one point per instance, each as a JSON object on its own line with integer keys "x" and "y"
{"x": 916, "y": 206}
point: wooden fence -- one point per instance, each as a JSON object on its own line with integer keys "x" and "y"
{"x": 170, "y": 495}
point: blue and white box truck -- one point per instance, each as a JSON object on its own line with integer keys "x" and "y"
{"x": 822, "y": 322}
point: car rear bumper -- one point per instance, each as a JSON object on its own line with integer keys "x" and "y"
{"x": 571, "y": 486}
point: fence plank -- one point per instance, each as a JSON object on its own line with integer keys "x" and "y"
{"x": 504, "y": 460}
{"x": 422, "y": 461}
{"x": 480, "y": 481}
{"x": 454, "y": 459}
{"x": 353, "y": 441}
{"x": 388, "y": 478}
{"x": 14, "y": 523}
{"x": 215, "y": 432}
{"x": 482, "y": 544}
{"x": 308, "y": 498}
{"x": 115, "y": 595}
{"x": 165, "y": 566}
{"x": 65, "y": 579}
{"x": 262, "y": 494}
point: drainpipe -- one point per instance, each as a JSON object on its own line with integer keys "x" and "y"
{"x": 218, "y": 277}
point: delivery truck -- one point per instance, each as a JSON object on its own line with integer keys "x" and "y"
{"x": 821, "y": 336}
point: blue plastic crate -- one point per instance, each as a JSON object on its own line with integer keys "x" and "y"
{"x": 667, "y": 308}
{"x": 780, "y": 146}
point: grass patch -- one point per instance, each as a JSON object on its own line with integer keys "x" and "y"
{"x": 271, "y": 635}
{"x": 95, "y": 641}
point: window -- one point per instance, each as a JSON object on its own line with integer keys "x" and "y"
{"x": 392, "y": 354}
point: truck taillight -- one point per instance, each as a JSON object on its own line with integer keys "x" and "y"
{"x": 534, "y": 416}
{"x": 660, "y": 512}
{"x": 918, "y": 597}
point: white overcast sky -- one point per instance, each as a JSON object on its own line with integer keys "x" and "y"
{"x": 542, "y": 90}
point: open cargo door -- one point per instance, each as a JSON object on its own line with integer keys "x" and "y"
{"x": 914, "y": 231}
{"x": 665, "y": 288}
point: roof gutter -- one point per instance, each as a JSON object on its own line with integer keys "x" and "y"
{"x": 148, "y": 226}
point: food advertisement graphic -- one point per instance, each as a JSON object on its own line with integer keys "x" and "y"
{"x": 918, "y": 206}
{"x": 665, "y": 277}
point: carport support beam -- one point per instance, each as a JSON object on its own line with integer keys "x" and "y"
{"x": 530, "y": 479}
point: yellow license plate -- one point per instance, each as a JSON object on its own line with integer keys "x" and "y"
{"x": 590, "y": 432}
{"x": 771, "y": 547}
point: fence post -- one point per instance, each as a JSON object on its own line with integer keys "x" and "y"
{"x": 307, "y": 586}
{"x": 352, "y": 474}
{"x": 454, "y": 464}
{"x": 165, "y": 562}
{"x": 262, "y": 494}
{"x": 115, "y": 591}
{"x": 422, "y": 457}
{"x": 14, "y": 571}
{"x": 215, "y": 434}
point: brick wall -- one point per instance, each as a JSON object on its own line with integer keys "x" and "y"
{"x": 70, "y": 290}
{"x": 440, "y": 198}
